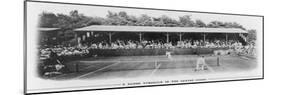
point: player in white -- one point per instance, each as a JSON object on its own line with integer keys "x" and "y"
{"x": 168, "y": 54}
{"x": 200, "y": 64}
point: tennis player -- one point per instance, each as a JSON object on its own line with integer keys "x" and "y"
{"x": 200, "y": 64}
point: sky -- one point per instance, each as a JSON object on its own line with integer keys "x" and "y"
{"x": 249, "y": 22}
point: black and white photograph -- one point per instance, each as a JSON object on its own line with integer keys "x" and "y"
{"x": 90, "y": 47}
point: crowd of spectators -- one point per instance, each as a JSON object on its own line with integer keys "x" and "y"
{"x": 129, "y": 44}
{"x": 53, "y": 65}
{"x": 160, "y": 44}
{"x": 63, "y": 51}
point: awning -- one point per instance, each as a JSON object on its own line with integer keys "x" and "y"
{"x": 111, "y": 28}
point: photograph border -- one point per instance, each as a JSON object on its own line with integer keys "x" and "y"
{"x": 25, "y": 46}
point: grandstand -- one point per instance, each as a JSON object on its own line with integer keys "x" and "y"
{"x": 82, "y": 34}
{"x": 105, "y": 49}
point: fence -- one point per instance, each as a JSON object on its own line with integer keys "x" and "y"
{"x": 142, "y": 52}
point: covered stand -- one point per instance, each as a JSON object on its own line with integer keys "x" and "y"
{"x": 110, "y": 30}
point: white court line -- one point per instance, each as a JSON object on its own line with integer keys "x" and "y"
{"x": 152, "y": 73}
{"x": 210, "y": 68}
{"x": 105, "y": 62}
{"x": 115, "y": 61}
{"x": 172, "y": 59}
{"x": 89, "y": 67}
{"x": 96, "y": 70}
{"x": 244, "y": 57}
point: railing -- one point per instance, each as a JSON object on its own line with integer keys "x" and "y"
{"x": 149, "y": 52}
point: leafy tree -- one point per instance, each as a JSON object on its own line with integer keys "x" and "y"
{"x": 228, "y": 24}
{"x": 144, "y": 20}
{"x": 252, "y": 35}
{"x": 123, "y": 17}
{"x": 216, "y": 24}
{"x": 115, "y": 19}
{"x": 132, "y": 20}
{"x": 96, "y": 21}
{"x": 219, "y": 24}
{"x": 236, "y": 25}
{"x": 68, "y": 22}
{"x": 63, "y": 21}
{"x": 186, "y": 21}
{"x": 123, "y": 14}
{"x": 111, "y": 14}
{"x": 157, "y": 22}
{"x": 73, "y": 20}
{"x": 200, "y": 23}
{"x": 74, "y": 16}
{"x": 47, "y": 20}
{"x": 167, "y": 21}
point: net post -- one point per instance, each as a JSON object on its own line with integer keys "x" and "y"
{"x": 218, "y": 61}
{"x": 155, "y": 64}
{"x": 76, "y": 67}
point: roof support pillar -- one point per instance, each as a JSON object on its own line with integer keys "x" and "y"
{"x": 110, "y": 37}
{"x": 79, "y": 41}
{"x": 167, "y": 37}
{"x": 226, "y": 37}
{"x": 140, "y": 36}
{"x": 76, "y": 38}
{"x": 88, "y": 34}
{"x": 92, "y": 33}
{"x": 83, "y": 37}
{"x": 180, "y": 34}
{"x": 204, "y": 35}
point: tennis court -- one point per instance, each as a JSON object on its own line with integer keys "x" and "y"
{"x": 149, "y": 66}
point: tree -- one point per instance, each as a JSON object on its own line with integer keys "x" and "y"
{"x": 66, "y": 23}
{"x": 73, "y": 20}
{"x": 233, "y": 25}
{"x": 252, "y": 35}
{"x": 111, "y": 14}
{"x": 144, "y": 20}
{"x": 97, "y": 21}
{"x": 117, "y": 18}
{"x": 63, "y": 21}
{"x": 236, "y": 25}
{"x": 74, "y": 15}
{"x": 157, "y": 22}
{"x": 167, "y": 21}
{"x": 228, "y": 24}
{"x": 48, "y": 20}
{"x": 216, "y": 24}
{"x": 132, "y": 20}
{"x": 200, "y": 23}
{"x": 123, "y": 14}
{"x": 186, "y": 21}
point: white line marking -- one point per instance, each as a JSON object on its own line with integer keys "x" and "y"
{"x": 172, "y": 59}
{"x": 96, "y": 70}
{"x": 113, "y": 61}
{"x": 89, "y": 67}
{"x": 246, "y": 58}
{"x": 210, "y": 68}
{"x": 157, "y": 67}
